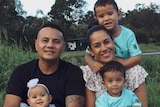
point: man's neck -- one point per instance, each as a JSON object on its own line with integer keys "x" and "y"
{"x": 48, "y": 67}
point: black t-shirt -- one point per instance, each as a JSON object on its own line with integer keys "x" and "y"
{"x": 67, "y": 80}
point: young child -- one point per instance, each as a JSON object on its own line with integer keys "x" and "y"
{"x": 127, "y": 50}
{"x": 113, "y": 75}
{"x": 38, "y": 94}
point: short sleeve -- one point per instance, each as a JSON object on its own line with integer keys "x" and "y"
{"x": 74, "y": 82}
{"x": 93, "y": 80}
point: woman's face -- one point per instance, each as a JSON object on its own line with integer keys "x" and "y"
{"x": 102, "y": 46}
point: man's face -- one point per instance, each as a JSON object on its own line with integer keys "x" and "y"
{"x": 49, "y": 44}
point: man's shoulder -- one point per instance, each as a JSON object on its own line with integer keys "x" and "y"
{"x": 67, "y": 64}
{"x": 69, "y": 67}
{"x": 27, "y": 66}
{"x": 29, "y": 63}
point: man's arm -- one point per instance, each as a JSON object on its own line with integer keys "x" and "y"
{"x": 11, "y": 101}
{"x": 74, "y": 101}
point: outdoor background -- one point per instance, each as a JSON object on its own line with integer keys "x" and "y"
{"x": 17, "y": 33}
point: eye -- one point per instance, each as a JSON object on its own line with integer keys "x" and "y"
{"x": 45, "y": 40}
{"x": 119, "y": 79}
{"x": 101, "y": 16}
{"x": 96, "y": 46}
{"x": 106, "y": 42}
{"x": 43, "y": 95}
{"x": 34, "y": 97}
{"x": 57, "y": 41}
{"x": 109, "y": 81}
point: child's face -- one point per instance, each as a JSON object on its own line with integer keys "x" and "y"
{"x": 107, "y": 16}
{"x": 114, "y": 82}
{"x": 39, "y": 97}
{"x": 102, "y": 46}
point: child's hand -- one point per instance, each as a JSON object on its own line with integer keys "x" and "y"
{"x": 95, "y": 66}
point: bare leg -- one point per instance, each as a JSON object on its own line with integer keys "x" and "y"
{"x": 141, "y": 93}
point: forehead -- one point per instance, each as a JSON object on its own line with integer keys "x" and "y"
{"x": 49, "y": 33}
{"x": 38, "y": 89}
{"x": 99, "y": 35}
{"x": 105, "y": 8}
{"x": 113, "y": 74}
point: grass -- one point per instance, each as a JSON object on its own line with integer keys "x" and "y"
{"x": 11, "y": 56}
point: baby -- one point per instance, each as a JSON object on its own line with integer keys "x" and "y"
{"x": 38, "y": 94}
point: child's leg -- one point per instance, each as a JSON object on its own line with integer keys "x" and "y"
{"x": 142, "y": 94}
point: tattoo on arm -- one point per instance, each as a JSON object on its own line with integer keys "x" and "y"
{"x": 75, "y": 101}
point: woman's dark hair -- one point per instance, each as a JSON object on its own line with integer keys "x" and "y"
{"x": 94, "y": 29}
{"x": 112, "y": 66}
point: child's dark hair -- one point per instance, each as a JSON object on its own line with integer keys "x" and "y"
{"x": 94, "y": 29}
{"x": 104, "y": 2}
{"x": 113, "y": 66}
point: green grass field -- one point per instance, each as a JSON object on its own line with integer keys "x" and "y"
{"x": 12, "y": 56}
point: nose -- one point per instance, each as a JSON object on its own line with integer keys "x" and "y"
{"x": 114, "y": 83}
{"x": 103, "y": 47}
{"x": 106, "y": 17}
{"x": 39, "y": 98}
{"x": 50, "y": 44}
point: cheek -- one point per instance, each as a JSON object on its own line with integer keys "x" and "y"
{"x": 94, "y": 52}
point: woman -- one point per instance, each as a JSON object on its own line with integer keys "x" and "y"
{"x": 101, "y": 47}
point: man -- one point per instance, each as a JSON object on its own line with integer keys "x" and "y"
{"x": 64, "y": 80}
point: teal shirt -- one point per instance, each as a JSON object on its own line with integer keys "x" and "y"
{"x": 126, "y": 45}
{"x": 127, "y": 99}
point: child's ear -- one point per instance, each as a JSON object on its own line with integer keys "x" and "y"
{"x": 28, "y": 102}
{"x": 119, "y": 14}
{"x": 102, "y": 82}
{"x": 50, "y": 98}
{"x": 125, "y": 80}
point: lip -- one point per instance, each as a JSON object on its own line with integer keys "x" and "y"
{"x": 108, "y": 24}
{"x": 49, "y": 51}
{"x": 106, "y": 53}
{"x": 40, "y": 103}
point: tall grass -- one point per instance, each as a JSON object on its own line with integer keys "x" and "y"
{"x": 11, "y": 56}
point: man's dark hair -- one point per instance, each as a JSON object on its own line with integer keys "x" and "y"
{"x": 112, "y": 66}
{"x": 54, "y": 26}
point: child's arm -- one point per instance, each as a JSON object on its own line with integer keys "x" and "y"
{"x": 94, "y": 65}
{"x": 130, "y": 62}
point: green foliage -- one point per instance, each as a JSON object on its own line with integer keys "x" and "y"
{"x": 149, "y": 47}
{"x": 151, "y": 64}
{"x": 11, "y": 56}
{"x": 145, "y": 21}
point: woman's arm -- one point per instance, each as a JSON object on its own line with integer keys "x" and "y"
{"x": 90, "y": 98}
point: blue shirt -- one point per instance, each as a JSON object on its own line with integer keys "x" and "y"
{"x": 126, "y": 45}
{"x": 127, "y": 99}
